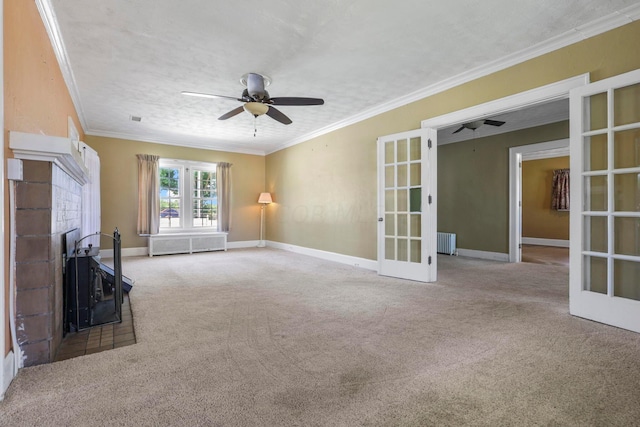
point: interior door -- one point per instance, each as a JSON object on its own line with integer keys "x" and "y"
{"x": 605, "y": 205}
{"x": 407, "y": 205}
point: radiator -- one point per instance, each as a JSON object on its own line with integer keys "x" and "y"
{"x": 446, "y": 243}
{"x": 181, "y": 243}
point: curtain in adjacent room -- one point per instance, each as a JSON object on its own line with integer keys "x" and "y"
{"x": 148, "y": 194}
{"x": 91, "y": 197}
{"x": 560, "y": 191}
{"x": 223, "y": 181}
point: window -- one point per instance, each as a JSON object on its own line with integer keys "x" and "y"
{"x": 188, "y": 195}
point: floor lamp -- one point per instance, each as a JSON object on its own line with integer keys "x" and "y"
{"x": 264, "y": 199}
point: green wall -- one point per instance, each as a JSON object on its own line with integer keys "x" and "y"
{"x": 473, "y": 186}
{"x": 325, "y": 188}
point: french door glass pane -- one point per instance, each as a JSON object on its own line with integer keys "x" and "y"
{"x": 627, "y": 149}
{"x": 390, "y": 248}
{"x": 595, "y": 274}
{"x": 626, "y": 106}
{"x": 389, "y": 177}
{"x": 416, "y": 229}
{"x": 403, "y": 201}
{"x": 389, "y": 152}
{"x": 595, "y": 193}
{"x": 595, "y": 112}
{"x": 626, "y": 279}
{"x": 402, "y": 150}
{"x": 403, "y": 226}
{"x": 416, "y": 177}
{"x": 595, "y": 153}
{"x": 627, "y": 192}
{"x": 389, "y": 224}
{"x": 403, "y": 250}
{"x": 627, "y": 236}
{"x": 416, "y": 251}
{"x": 415, "y": 200}
{"x": 402, "y": 176}
{"x": 414, "y": 149}
{"x": 390, "y": 201}
{"x": 595, "y": 239}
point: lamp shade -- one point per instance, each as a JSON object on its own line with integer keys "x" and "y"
{"x": 265, "y": 198}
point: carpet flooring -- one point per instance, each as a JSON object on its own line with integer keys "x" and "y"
{"x": 262, "y": 337}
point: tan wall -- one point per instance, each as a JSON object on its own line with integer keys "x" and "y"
{"x": 344, "y": 161}
{"x": 119, "y": 186}
{"x": 36, "y": 98}
{"x": 538, "y": 219}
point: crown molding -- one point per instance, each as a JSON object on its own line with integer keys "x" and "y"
{"x": 599, "y": 26}
{"x": 206, "y": 145}
{"x": 51, "y": 25}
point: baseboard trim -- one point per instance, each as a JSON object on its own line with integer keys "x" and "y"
{"x": 126, "y": 252}
{"x": 243, "y": 244}
{"x": 545, "y": 242}
{"x": 494, "y": 256}
{"x": 328, "y": 256}
{"x": 7, "y": 373}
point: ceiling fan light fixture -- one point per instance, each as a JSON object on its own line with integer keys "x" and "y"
{"x": 245, "y": 78}
{"x": 256, "y": 108}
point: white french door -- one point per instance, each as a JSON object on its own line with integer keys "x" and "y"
{"x": 605, "y": 199}
{"x": 407, "y": 205}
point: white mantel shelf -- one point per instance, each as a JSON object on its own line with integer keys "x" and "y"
{"x": 59, "y": 150}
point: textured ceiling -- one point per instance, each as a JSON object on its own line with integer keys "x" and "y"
{"x": 135, "y": 57}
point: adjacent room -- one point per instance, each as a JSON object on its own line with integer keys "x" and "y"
{"x": 312, "y": 213}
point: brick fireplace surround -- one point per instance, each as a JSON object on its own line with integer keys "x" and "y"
{"x": 48, "y": 204}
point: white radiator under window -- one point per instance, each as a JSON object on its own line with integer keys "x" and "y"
{"x": 446, "y": 243}
{"x": 186, "y": 243}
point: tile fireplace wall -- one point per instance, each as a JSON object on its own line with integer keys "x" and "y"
{"x": 48, "y": 204}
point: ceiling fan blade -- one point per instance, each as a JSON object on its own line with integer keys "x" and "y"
{"x": 461, "y": 128}
{"x": 208, "y": 95}
{"x": 296, "y": 101}
{"x": 279, "y": 116}
{"x": 232, "y": 113}
{"x": 493, "y": 122}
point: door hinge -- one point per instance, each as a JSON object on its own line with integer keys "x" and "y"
{"x": 520, "y": 246}
{"x": 429, "y": 199}
{"x": 429, "y": 259}
{"x": 429, "y": 143}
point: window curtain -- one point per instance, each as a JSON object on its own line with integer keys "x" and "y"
{"x": 91, "y": 197}
{"x": 560, "y": 191}
{"x": 148, "y": 194}
{"x": 223, "y": 181}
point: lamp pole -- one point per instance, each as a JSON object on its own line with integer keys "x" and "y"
{"x": 261, "y": 243}
{"x": 264, "y": 199}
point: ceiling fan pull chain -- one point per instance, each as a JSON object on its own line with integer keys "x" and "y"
{"x": 255, "y": 125}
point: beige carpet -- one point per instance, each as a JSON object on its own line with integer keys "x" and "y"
{"x": 262, "y": 337}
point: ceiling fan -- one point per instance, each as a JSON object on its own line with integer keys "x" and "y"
{"x": 257, "y": 100}
{"x": 476, "y": 124}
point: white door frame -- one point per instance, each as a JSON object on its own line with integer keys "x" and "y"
{"x": 539, "y": 95}
{"x": 560, "y": 148}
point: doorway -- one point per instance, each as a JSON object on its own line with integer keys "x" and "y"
{"x": 516, "y": 157}
{"x": 535, "y": 97}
